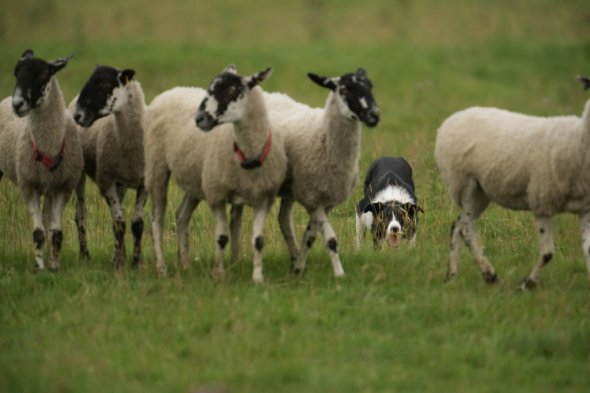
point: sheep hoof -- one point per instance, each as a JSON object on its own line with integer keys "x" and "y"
{"x": 258, "y": 279}
{"x": 527, "y": 284}
{"x": 298, "y": 271}
{"x": 218, "y": 274}
{"x": 450, "y": 277}
{"x": 490, "y": 278}
{"x": 162, "y": 271}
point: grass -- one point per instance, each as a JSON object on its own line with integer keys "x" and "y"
{"x": 391, "y": 325}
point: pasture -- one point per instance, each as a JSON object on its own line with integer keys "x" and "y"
{"x": 391, "y": 325}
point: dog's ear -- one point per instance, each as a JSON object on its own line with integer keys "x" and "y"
{"x": 374, "y": 208}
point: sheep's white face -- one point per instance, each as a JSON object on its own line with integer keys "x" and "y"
{"x": 354, "y": 95}
{"x": 32, "y": 82}
{"x": 103, "y": 94}
{"x": 227, "y": 98}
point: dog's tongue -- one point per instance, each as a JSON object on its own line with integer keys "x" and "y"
{"x": 394, "y": 241}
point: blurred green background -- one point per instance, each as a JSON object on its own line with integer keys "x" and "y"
{"x": 391, "y": 325}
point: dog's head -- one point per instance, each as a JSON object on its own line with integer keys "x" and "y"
{"x": 392, "y": 222}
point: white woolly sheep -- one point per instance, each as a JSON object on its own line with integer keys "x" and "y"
{"x": 323, "y": 149}
{"x": 113, "y": 152}
{"x": 40, "y": 149}
{"x": 521, "y": 162}
{"x": 242, "y": 161}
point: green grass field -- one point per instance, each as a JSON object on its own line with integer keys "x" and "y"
{"x": 391, "y": 325}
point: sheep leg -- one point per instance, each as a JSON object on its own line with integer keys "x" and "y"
{"x": 112, "y": 197}
{"x": 585, "y": 228}
{"x": 286, "y": 225}
{"x": 235, "y": 225}
{"x": 81, "y": 217}
{"x": 158, "y": 195}
{"x": 473, "y": 204}
{"x": 33, "y": 204}
{"x": 183, "y": 218}
{"x": 331, "y": 242}
{"x": 56, "y": 205}
{"x": 260, "y": 213}
{"x": 545, "y": 230}
{"x": 221, "y": 234}
{"x": 306, "y": 243}
{"x": 137, "y": 225}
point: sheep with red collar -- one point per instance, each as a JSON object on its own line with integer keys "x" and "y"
{"x": 323, "y": 150}
{"x": 521, "y": 162}
{"x": 40, "y": 149}
{"x": 113, "y": 152}
{"x": 240, "y": 161}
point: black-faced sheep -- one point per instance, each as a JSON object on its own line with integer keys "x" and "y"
{"x": 323, "y": 149}
{"x": 40, "y": 149}
{"x": 241, "y": 161}
{"x": 521, "y": 162}
{"x": 113, "y": 151}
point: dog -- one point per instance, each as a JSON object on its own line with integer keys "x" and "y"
{"x": 389, "y": 208}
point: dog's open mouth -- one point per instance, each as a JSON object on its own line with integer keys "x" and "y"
{"x": 394, "y": 240}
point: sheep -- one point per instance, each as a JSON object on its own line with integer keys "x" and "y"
{"x": 40, "y": 150}
{"x": 521, "y": 162}
{"x": 241, "y": 162}
{"x": 323, "y": 149}
{"x": 113, "y": 152}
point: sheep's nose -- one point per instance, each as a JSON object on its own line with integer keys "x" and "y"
{"x": 77, "y": 117}
{"x": 200, "y": 117}
{"x": 17, "y": 104}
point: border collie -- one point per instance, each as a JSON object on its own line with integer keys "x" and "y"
{"x": 389, "y": 207}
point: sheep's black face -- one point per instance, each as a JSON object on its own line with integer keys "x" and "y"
{"x": 227, "y": 97}
{"x": 102, "y": 95}
{"x": 354, "y": 91}
{"x": 32, "y": 81}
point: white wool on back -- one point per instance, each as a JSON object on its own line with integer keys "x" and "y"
{"x": 521, "y": 162}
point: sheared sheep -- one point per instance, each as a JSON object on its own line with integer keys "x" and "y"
{"x": 40, "y": 149}
{"x": 113, "y": 152}
{"x": 241, "y": 161}
{"x": 323, "y": 149}
{"x": 521, "y": 162}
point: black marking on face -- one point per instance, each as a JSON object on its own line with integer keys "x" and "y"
{"x": 259, "y": 243}
{"x": 224, "y": 90}
{"x": 355, "y": 89}
{"x": 541, "y": 231}
{"x": 310, "y": 241}
{"x": 222, "y": 241}
{"x": 32, "y": 77}
{"x": 332, "y": 245}
{"x": 95, "y": 100}
{"x": 38, "y": 238}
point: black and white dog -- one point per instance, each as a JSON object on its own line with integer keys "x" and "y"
{"x": 389, "y": 207}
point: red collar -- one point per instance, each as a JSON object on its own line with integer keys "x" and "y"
{"x": 49, "y": 162}
{"x": 249, "y": 163}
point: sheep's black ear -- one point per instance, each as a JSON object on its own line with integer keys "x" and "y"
{"x": 27, "y": 54}
{"x": 125, "y": 76}
{"x": 59, "y": 64}
{"x": 231, "y": 68}
{"x": 323, "y": 81}
{"x": 585, "y": 81}
{"x": 258, "y": 77}
{"x": 361, "y": 72}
